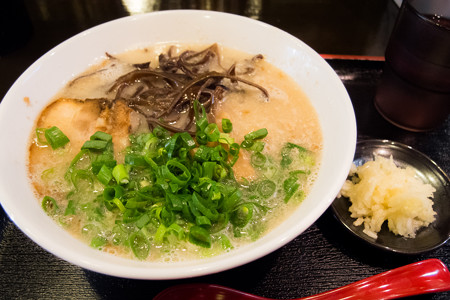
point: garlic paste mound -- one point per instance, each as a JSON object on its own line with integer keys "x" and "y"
{"x": 176, "y": 152}
{"x": 380, "y": 191}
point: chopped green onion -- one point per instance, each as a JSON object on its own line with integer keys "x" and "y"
{"x": 232, "y": 200}
{"x": 142, "y": 221}
{"x": 257, "y": 146}
{"x": 171, "y": 144}
{"x": 55, "y": 137}
{"x": 290, "y": 186}
{"x": 208, "y": 169}
{"x": 242, "y": 215}
{"x": 120, "y": 174}
{"x": 40, "y": 136}
{"x": 176, "y": 230}
{"x": 167, "y": 216}
{"x": 110, "y": 193}
{"x": 211, "y": 214}
{"x": 201, "y": 138}
{"x": 219, "y": 153}
{"x": 46, "y": 174}
{"x": 139, "y": 245}
{"x": 225, "y": 138}
{"x": 82, "y": 179}
{"x": 225, "y": 242}
{"x": 234, "y": 152}
{"x": 258, "y": 160}
{"x": 112, "y": 196}
{"x": 98, "y": 241}
{"x": 203, "y": 221}
{"x": 49, "y": 205}
{"x": 187, "y": 139}
{"x": 160, "y": 232}
{"x": 99, "y": 160}
{"x": 160, "y": 132}
{"x": 176, "y": 202}
{"x": 200, "y": 236}
{"x": 102, "y": 136}
{"x": 203, "y": 153}
{"x": 70, "y": 209}
{"x": 94, "y": 145}
{"x": 119, "y": 204}
{"x": 256, "y": 135}
{"x": 176, "y": 172}
{"x": 227, "y": 126}
{"x": 266, "y": 188}
{"x": 286, "y": 158}
{"x": 119, "y": 236}
{"x": 104, "y": 175}
{"x": 201, "y": 123}
{"x": 247, "y": 144}
{"x": 134, "y": 159}
{"x": 129, "y": 215}
{"x": 75, "y": 162}
{"x": 298, "y": 172}
{"x": 212, "y": 132}
{"x": 220, "y": 172}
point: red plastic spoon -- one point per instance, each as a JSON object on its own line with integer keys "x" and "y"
{"x": 428, "y": 276}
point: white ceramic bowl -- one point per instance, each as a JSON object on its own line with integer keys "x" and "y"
{"x": 48, "y": 74}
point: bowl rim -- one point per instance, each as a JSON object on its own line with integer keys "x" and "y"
{"x": 216, "y": 264}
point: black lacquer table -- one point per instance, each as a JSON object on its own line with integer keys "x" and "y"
{"x": 326, "y": 255}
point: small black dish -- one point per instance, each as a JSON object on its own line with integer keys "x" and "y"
{"x": 429, "y": 238}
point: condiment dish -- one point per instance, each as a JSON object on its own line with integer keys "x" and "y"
{"x": 427, "y": 238}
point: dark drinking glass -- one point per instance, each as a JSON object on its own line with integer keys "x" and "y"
{"x": 414, "y": 92}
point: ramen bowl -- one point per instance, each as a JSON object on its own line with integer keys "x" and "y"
{"x": 43, "y": 79}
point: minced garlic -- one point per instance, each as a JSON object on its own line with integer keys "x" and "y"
{"x": 380, "y": 191}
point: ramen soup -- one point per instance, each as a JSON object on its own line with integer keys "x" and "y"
{"x": 171, "y": 153}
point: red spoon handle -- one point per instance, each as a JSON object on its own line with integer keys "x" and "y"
{"x": 427, "y": 276}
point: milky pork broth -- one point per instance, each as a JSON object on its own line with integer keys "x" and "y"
{"x": 172, "y": 153}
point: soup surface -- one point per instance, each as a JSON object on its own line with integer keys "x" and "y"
{"x": 141, "y": 187}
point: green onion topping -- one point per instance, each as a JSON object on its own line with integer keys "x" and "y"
{"x": 174, "y": 188}
{"x": 55, "y": 137}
